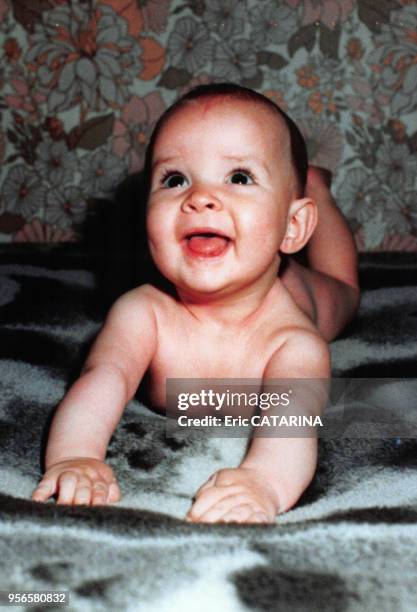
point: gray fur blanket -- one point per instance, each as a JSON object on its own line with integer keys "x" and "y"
{"x": 349, "y": 544}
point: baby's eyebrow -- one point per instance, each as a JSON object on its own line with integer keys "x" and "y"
{"x": 247, "y": 159}
{"x": 163, "y": 160}
{"x": 159, "y": 161}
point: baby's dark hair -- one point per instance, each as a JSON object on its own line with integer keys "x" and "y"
{"x": 298, "y": 147}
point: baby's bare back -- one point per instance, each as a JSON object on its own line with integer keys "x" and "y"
{"x": 192, "y": 347}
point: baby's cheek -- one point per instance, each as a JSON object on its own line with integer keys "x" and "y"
{"x": 266, "y": 230}
{"x": 154, "y": 222}
{"x": 160, "y": 229}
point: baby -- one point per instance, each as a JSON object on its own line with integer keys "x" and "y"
{"x": 230, "y": 195}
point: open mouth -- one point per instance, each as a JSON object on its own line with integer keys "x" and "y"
{"x": 206, "y": 243}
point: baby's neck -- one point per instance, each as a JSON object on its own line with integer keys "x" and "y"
{"x": 230, "y": 310}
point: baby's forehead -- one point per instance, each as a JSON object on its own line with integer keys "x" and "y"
{"x": 234, "y": 107}
{"x": 221, "y": 103}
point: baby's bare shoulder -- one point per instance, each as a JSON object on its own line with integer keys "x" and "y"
{"x": 131, "y": 302}
{"x": 133, "y": 312}
{"x": 144, "y": 297}
{"x": 145, "y": 306}
{"x": 302, "y": 353}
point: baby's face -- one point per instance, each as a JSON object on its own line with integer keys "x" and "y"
{"x": 221, "y": 186}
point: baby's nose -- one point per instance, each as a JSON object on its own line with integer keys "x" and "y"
{"x": 199, "y": 201}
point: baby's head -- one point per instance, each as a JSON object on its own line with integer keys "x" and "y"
{"x": 231, "y": 91}
{"x": 226, "y": 170}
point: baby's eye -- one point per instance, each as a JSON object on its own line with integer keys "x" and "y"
{"x": 241, "y": 177}
{"x": 173, "y": 179}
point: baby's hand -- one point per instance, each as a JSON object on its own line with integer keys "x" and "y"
{"x": 79, "y": 481}
{"x": 234, "y": 495}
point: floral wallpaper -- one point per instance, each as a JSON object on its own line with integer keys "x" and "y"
{"x": 83, "y": 82}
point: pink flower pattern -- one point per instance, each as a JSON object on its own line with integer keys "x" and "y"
{"x": 36, "y": 231}
{"x": 132, "y": 132}
{"x": 329, "y": 12}
{"x": 3, "y": 9}
{"x": 24, "y": 99}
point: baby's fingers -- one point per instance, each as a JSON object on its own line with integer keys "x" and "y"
{"x": 114, "y": 492}
{"x": 261, "y": 517}
{"x": 67, "y": 485}
{"x": 99, "y": 493}
{"x": 45, "y": 489}
{"x": 102, "y": 490}
{"x": 81, "y": 490}
{"x": 83, "y": 493}
{"x": 227, "y": 512}
{"x": 245, "y": 514}
{"x": 207, "y": 485}
{"x": 213, "y": 502}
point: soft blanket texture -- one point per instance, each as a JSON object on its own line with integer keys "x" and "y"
{"x": 350, "y": 544}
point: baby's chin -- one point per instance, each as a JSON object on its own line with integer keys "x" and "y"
{"x": 207, "y": 281}
{"x": 201, "y": 277}
{"x": 206, "y": 286}
{"x": 204, "y": 292}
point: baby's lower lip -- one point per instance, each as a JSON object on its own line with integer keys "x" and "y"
{"x": 206, "y": 246}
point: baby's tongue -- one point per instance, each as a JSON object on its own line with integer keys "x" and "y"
{"x": 210, "y": 246}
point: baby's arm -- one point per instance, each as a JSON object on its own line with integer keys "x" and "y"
{"x": 276, "y": 470}
{"x": 90, "y": 411}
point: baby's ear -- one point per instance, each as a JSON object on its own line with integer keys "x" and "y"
{"x": 302, "y": 220}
